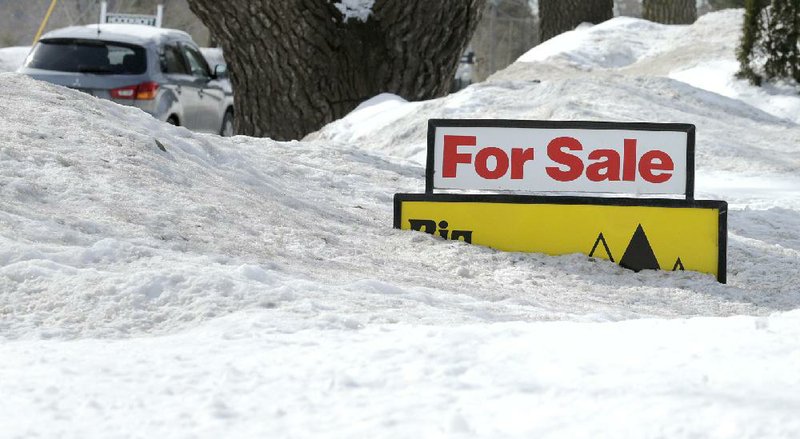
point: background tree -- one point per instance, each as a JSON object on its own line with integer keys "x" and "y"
{"x": 770, "y": 47}
{"x": 507, "y": 29}
{"x": 558, "y": 16}
{"x": 670, "y": 11}
{"x": 299, "y": 64}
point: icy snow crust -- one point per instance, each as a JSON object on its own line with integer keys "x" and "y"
{"x": 250, "y": 288}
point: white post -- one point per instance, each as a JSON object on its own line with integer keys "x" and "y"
{"x": 103, "y": 12}
{"x": 159, "y": 14}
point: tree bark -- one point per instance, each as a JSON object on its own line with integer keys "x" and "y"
{"x": 670, "y": 11}
{"x": 559, "y": 16}
{"x": 298, "y": 64}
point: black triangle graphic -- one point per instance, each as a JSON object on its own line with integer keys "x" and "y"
{"x": 639, "y": 255}
{"x": 601, "y": 238}
{"x": 678, "y": 265}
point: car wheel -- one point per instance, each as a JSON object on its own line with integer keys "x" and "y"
{"x": 172, "y": 120}
{"x": 227, "y": 125}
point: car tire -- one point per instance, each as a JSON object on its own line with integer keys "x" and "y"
{"x": 172, "y": 120}
{"x": 227, "y": 125}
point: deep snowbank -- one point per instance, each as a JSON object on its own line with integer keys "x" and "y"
{"x": 103, "y": 233}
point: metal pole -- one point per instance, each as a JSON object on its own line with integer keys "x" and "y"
{"x": 44, "y": 22}
{"x": 493, "y": 44}
{"x": 103, "y": 12}
{"x": 159, "y": 14}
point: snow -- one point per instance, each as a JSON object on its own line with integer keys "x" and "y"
{"x": 611, "y": 44}
{"x": 213, "y": 56}
{"x": 781, "y": 100}
{"x": 670, "y": 51}
{"x": 12, "y": 58}
{"x": 357, "y": 9}
{"x": 243, "y": 377}
{"x": 244, "y": 287}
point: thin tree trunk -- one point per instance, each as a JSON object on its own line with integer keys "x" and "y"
{"x": 751, "y": 37}
{"x": 559, "y": 16}
{"x": 299, "y": 64}
{"x": 670, "y": 11}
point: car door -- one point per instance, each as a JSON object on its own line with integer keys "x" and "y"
{"x": 181, "y": 81}
{"x": 210, "y": 95}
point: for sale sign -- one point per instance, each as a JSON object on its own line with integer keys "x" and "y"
{"x": 553, "y": 158}
{"x": 559, "y": 157}
{"x": 147, "y": 20}
{"x": 639, "y": 234}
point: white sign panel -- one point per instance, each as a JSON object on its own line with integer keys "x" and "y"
{"x": 577, "y": 157}
{"x": 147, "y": 20}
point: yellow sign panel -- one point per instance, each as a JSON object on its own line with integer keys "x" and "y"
{"x": 635, "y": 233}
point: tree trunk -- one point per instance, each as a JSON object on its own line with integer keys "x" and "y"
{"x": 751, "y": 37}
{"x": 558, "y": 16}
{"x": 299, "y": 64}
{"x": 670, "y": 11}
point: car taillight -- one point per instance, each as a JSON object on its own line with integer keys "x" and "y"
{"x": 144, "y": 91}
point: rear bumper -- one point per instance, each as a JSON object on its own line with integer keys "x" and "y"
{"x": 150, "y": 107}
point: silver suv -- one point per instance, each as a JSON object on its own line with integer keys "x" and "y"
{"x": 158, "y": 70}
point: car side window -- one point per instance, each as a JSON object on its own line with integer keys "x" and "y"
{"x": 172, "y": 61}
{"x": 197, "y": 63}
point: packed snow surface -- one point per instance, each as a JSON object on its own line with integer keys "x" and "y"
{"x": 244, "y": 287}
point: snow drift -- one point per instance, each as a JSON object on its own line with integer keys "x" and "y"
{"x": 105, "y": 234}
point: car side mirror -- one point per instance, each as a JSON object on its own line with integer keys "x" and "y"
{"x": 221, "y": 71}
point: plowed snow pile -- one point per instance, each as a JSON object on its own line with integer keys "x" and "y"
{"x": 250, "y": 288}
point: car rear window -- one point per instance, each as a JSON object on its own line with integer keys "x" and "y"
{"x": 88, "y": 56}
